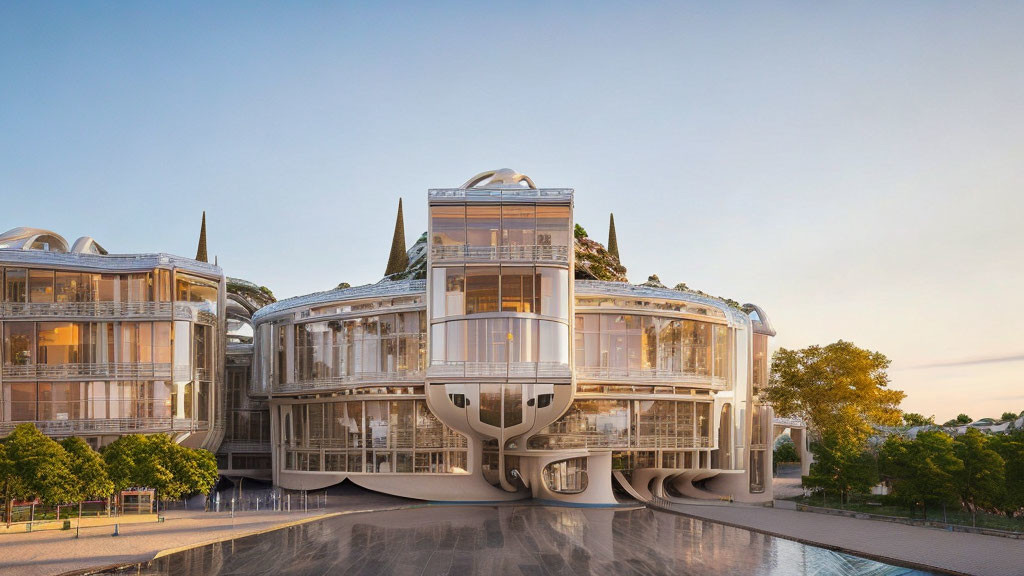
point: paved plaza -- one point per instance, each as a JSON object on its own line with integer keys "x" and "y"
{"x": 57, "y": 552}
{"x": 956, "y": 552}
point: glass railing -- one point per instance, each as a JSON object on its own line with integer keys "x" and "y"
{"x": 499, "y": 369}
{"x": 530, "y": 253}
{"x": 601, "y": 373}
{"x": 106, "y": 370}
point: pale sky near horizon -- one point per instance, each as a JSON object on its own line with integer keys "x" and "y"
{"x": 856, "y": 171}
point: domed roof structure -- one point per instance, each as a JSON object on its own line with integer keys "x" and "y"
{"x": 22, "y": 238}
{"x": 502, "y": 178}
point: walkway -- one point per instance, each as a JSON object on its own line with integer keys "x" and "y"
{"x": 924, "y": 548}
{"x": 57, "y": 552}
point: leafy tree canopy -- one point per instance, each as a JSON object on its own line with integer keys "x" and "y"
{"x": 840, "y": 390}
{"x": 915, "y": 419}
{"x": 1008, "y": 416}
{"x": 88, "y": 470}
{"x": 963, "y": 419}
{"x": 37, "y": 467}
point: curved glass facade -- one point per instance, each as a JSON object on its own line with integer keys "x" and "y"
{"x": 100, "y": 353}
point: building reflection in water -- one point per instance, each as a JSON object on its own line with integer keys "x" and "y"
{"x": 513, "y": 540}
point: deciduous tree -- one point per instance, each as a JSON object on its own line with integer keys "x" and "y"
{"x": 981, "y": 482}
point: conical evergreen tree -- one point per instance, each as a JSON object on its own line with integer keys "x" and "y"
{"x": 399, "y": 259}
{"x": 613, "y": 243}
{"x": 201, "y": 252}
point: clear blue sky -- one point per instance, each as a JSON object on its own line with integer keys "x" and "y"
{"x": 857, "y": 171}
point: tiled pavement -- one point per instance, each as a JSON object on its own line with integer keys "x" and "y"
{"x": 56, "y": 552}
{"x": 933, "y": 548}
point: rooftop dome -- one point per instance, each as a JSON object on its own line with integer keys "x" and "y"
{"x": 503, "y": 178}
{"x": 22, "y": 238}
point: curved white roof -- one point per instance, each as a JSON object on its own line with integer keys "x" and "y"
{"x": 22, "y": 238}
{"x": 382, "y": 289}
{"x": 624, "y": 289}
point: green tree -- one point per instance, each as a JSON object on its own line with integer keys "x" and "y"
{"x": 579, "y": 232}
{"x": 921, "y": 471}
{"x": 839, "y": 390}
{"x": 136, "y": 460}
{"x": 841, "y": 465}
{"x": 88, "y": 470}
{"x": 194, "y": 471}
{"x": 37, "y": 468}
{"x": 786, "y": 452}
{"x": 1011, "y": 448}
{"x": 963, "y": 419}
{"x": 981, "y": 483}
{"x": 613, "y": 241}
{"x": 1008, "y": 416}
{"x": 915, "y": 419}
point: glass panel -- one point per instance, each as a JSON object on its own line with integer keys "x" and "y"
{"x": 21, "y": 401}
{"x": 554, "y": 342}
{"x": 721, "y": 351}
{"x": 18, "y": 343}
{"x": 518, "y": 225}
{"x": 108, "y": 288}
{"x": 517, "y": 289}
{"x": 40, "y": 285}
{"x": 68, "y": 287}
{"x": 377, "y": 424}
{"x": 490, "y": 404}
{"x": 481, "y": 290}
{"x": 554, "y": 226}
{"x": 59, "y": 343}
{"x": 588, "y": 423}
{"x": 760, "y": 361}
{"x": 182, "y": 350}
{"x": 449, "y": 291}
{"x": 448, "y": 225}
{"x": 16, "y": 285}
{"x": 482, "y": 225}
{"x": 553, "y": 292}
{"x": 513, "y": 409}
{"x": 566, "y": 476}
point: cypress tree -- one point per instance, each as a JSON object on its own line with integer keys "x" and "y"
{"x": 613, "y": 243}
{"x": 201, "y": 252}
{"x": 399, "y": 259}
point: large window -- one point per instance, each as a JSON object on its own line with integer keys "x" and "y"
{"x": 19, "y": 343}
{"x": 566, "y": 476}
{"x": 651, "y": 424}
{"x": 371, "y": 436}
{"x": 481, "y": 289}
{"x": 59, "y": 343}
{"x": 40, "y": 286}
{"x": 554, "y": 227}
{"x": 198, "y": 291}
{"x": 519, "y": 225}
{"x": 448, "y": 225}
{"x": 483, "y": 224}
{"x": 625, "y": 344}
{"x": 16, "y": 285}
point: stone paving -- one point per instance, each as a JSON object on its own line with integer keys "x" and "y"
{"x": 928, "y": 548}
{"x": 57, "y": 552}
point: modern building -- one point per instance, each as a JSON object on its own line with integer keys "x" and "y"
{"x": 98, "y": 345}
{"x": 486, "y": 371}
{"x": 489, "y": 364}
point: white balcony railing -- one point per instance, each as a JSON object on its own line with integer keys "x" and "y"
{"x": 110, "y": 426}
{"x": 338, "y": 382}
{"x": 529, "y": 253}
{"x": 110, "y": 310}
{"x": 107, "y": 370}
{"x": 654, "y": 376}
{"x": 499, "y": 370}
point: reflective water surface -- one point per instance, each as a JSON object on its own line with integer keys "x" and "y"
{"x": 518, "y": 540}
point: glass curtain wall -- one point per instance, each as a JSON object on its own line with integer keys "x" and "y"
{"x": 624, "y": 344}
{"x": 371, "y": 436}
{"x": 663, "y": 424}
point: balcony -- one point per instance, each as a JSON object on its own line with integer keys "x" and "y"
{"x": 601, "y": 374}
{"x": 529, "y": 253}
{"x": 97, "y": 371}
{"x": 440, "y": 370}
{"x": 499, "y": 194}
{"x": 105, "y": 311}
{"x": 109, "y": 426}
{"x": 339, "y": 382}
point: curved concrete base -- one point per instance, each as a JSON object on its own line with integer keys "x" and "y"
{"x": 437, "y": 487}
